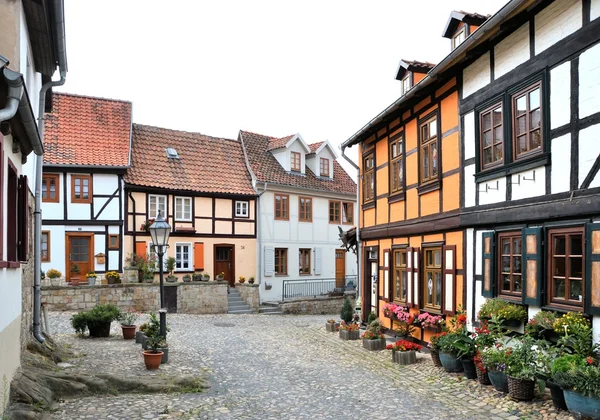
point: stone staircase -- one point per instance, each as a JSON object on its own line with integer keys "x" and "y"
{"x": 235, "y": 303}
{"x": 268, "y": 308}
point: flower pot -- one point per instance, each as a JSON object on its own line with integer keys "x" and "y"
{"x": 219, "y": 278}
{"x": 558, "y": 395}
{"x": 152, "y": 360}
{"x": 56, "y": 282}
{"x": 469, "y": 368}
{"x": 92, "y": 281}
{"x": 582, "y": 405}
{"x": 110, "y": 280}
{"x": 349, "y": 335}
{"x": 129, "y": 331}
{"x": 498, "y": 380}
{"x": 520, "y": 389}
{"x": 205, "y": 278}
{"x": 149, "y": 279}
{"x": 74, "y": 281}
{"x": 171, "y": 279}
{"x": 332, "y": 326}
{"x": 404, "y": 357}
{"x": 100, "y": 330}
{"x": 435, "y": 357}
{"x": 551, "y": 335}
{"x": 482, "y": 376}
{"x": 450, "y": 362}
{"x": 374, "y": 345}
{"x": 139, "y": 336}
{"x": 512, "y": 323}
{"x": 187, "y": 279}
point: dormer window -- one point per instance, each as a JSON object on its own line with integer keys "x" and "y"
{"x": 296, "y": 160}
{"x": 324, "y": 168}
{"x": 406, "y": 84}
{"x": 459, "y": 37}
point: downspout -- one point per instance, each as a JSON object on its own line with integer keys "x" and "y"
{"x": 258, "y": 236}
{"x": 15, "y": 91}
{"x": 134, "y": 225}
{"x": 358, "y": 242}
{"x": 59, "y": 26}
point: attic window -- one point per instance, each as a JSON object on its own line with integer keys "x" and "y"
{"x": 172, "y": 153}
{"x": 406, "y": 84}
{"x": 459, "y": 37}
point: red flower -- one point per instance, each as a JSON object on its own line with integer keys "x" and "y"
{"x": 462, "y": 319}
{"x": 590, "y": 360}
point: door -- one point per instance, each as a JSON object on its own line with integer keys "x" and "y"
{"x": 80, "y": 255}
{"x": 370, "y": 300}
{"x": 340, "y": 268}
{"x": 224, "y": 262}
{"x": 374, "y": 299}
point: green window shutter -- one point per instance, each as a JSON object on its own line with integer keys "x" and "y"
{"x": 592, "y": 269}
{"x": 532, "y": 266}
{"x": 488, "y": 266}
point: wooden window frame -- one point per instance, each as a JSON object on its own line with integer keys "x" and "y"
{"x": 182, "y": 201}
{"x": 398, "y": 159}
{"x": 490, "y": 110}
{"x": 304, "y": 210}
{"x": 154, "y": 216}
{"x": 332, "y": 212}
{"x": 324, "y": 167}
{"x": 433, "y": 269}
{"x": 349, "y": 205}
{"x": 190, "y": 259}
{"x": 90, "y": 189}
{"x": 296, "y": 161}
{"x": 400, "y": 268}
{"x": 118, "y": 243}
{"x": 565, "y": 303}
{"x": 242, "y": 202}
{"x": 368, "y": 192}
{"x": 511, "y": 294}
{"x": 426, "y": 144}
{"x": 513, "y": 99}
{"x": 302, "y": 269}
{"x": 46, "y": 181}
{"x": 462, "y": 31}
{"x": 48, "y": 255}
{"x": 283, "y": 207}
{"x": 280, "y": 254}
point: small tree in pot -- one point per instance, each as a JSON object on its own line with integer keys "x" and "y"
{"x": 170, "y": 268}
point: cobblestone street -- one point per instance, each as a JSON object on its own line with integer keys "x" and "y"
{"x": 272, "y": 367}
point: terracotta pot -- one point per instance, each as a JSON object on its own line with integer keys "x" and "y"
{"x": 152, "y": 360}
{"x": 128, "y": 331}
{"x": 74, "y": 281}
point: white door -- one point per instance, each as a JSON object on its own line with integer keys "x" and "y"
{"x": 374, "y": 286}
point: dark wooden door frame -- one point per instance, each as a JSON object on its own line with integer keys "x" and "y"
{"x": 68, "y": 236}
{"x": 367, "y": 281}
{"x": 232, "y": 257}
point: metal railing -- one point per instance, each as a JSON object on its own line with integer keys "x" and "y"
{"x": 299, "y": 288}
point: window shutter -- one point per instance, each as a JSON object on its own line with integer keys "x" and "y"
{"x": 487, "y": 266}
{"x": 318, "y": 261}
{"x": 449, "y": 280}
{"x": 141, "y": 248}
{"x": 269, "y": 260}
{"x": 386, "y": 274}
{"x": 532, "y": 267}
{"x": 409, "y": 277}
{"x": 23, "y": 219}
{"x": 199, "y": 256}
{"x": 416, "y": 277}
{"x": 592, "y": 269}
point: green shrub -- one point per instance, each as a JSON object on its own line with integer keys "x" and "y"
{"x": 502, "y": 311}
{"x": 584, "y": 380}
{"x": 100, "y": 314}
{"x": 347, "y": 310}
{"x": 372, "y": 317}
{"x": 567, "y": 362}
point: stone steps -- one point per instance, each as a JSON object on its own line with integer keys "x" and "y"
{"x": 235, "y": 303}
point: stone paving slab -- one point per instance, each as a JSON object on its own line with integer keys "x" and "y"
{"x": 274, "y": 367}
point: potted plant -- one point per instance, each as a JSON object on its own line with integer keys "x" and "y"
{"x": 146, "y": 225}
{"x": 112, "y": 277}
{"x": 542, "y": 326}
{"x": 581, "y": 386}
{"x": 406, "y": 320}
{"x": 404, "y": 352}
{"x": 205, "y": 276}
{"x": 54, "y": 275}
{"x": 197, "y": 277}
{"x": 332, "y": 325}
{"x": 465, "y": 351}
{"x": 427, "y": 320}
{"x": 448, "y": 352}
{"x": 494, "y": 361}
{"x": 506, "y": 313}
{"x": 251, "y": 280}
{"x": 373, "y": 338}
{"x": 152, "y": 355}
{"x": 349, "y": 330}
{"x": 484, "y": 338}
{"x": 128, "y": 326}
{"x": 242, "y": 279}
{"x": 97, "y": 320}
{"x": 187, "y": 278}
{"x": 140, "y": 335}
{"x": 560, "y": 366}
{"x": 171, "y": 262}
{"x": 91, "y": 278}
{"x": 524, "y": 367}
{"x": 347, "y": 311}
{"x": 434, "y": 348}
{"x": 75, "y": 276}
{"x": 569, "y": 323}
{"x": 220, "y": 276}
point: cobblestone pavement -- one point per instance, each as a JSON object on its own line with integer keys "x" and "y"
{"x": 274, "y": 367}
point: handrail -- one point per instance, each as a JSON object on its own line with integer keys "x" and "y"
{"x": 298, "y": 288}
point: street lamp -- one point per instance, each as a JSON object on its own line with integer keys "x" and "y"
{"x": 159, "y": 231}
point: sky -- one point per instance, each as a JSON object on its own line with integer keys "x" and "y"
{"x": 321, "y": 68}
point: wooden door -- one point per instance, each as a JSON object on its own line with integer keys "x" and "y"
{"x": 224, "y": 263}
{"x": 340, "y": 268}
{"x": 370, "y": 296}
{"x": 80, "y": 252}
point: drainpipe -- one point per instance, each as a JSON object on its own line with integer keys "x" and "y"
{"x": 59, "y": 30}
{"x": 134, "y": 225}
{"x": 258, "y": 236}
{"x": 358, "y": 242}
{"x": 15, "y": 91}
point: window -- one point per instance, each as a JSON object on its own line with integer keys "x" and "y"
{"x": 429, "y": 150}
{"x": 183, "y": 208}
{"x": 459, "y": 37}
{"x": 397, "y": 165}
{"x": 400, "y": 276}
{"x": 45, "y": 246}
{"x": 282, "y": 207}
{"x": 566, "y": 266}
{"x": 113, "y": 241}
{"x": 281, "y": 261}
{"x": 156, "y": 203}
{"x": 406, "y": 84}
{"x": 304, "y": 209}
{"x": 172, "y": 153}
{"x": 491, "y": 135}
{"x": 433, "y": 279}
{"x": 510, "y": 255}
{"x": 324, "y": 169}
{"x": 368, "y": 178}
{"x": 50, "y": 188}
{"x": 296, "y": 161}
{"x": 81, "y": 189}
{"x": 527, "y": 121}
{"x": 334, "y": 212}
{"x": 304, "y": 265}
{"x": 347, "y": 213}
{"x": 182, "y": 257}
{"x": 241, "y": 209}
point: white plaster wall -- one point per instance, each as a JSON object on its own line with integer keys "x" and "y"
{"x": 312, "y": 162}
{"x": 532, "y": 311}
{"x": 113, "y": 261}
{"x": 10, "y": 298}
{"x": 589, "y": 82}
{"x": 511, "y": 51}
{"x": 283, "y": 157}
{"x": 596, "y": 326}
{"x": 530, "y": 183}
{"x": 57, "y": 249}
{"x": 589, "y": 149}
{"x": 595, "y": 9}
{"x": 495, "y": 193}
{"x": 99, "y": 247}
{"x": 555, "y": 22}
{"x": 477, "y": 75}
{"x": 470, "y": 185}
{"x": 114, "y": 230}
{"x": 560, "y": 95}
{"x": 54, "y": 211}
{"x": 469, "y": 275}
{"x": 561, "y": 164}
{"x": 105, "y": 183}
{"x": 469, "y": 130}
{"x": 110, "y": 212}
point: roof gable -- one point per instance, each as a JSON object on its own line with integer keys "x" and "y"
{"x": 456, "y": 17}
{"x": 316, "y": 148}
{"x": 412, "y": 66}
{"x": 287, "y": 141}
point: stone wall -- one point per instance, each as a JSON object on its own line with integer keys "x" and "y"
{"x": 27, "y": 280}
{"x": 249, "y": 292}
{"x": 202, "y": 297}
{"x": 316, "y": 306}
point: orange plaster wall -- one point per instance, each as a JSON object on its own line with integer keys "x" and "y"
{"x": 406, "y": 115}
{"x": 417, "y": 77}
{"x": 369, "y": 218}
{"x": 382, "y": 178}
{"x": 427, "y": 111}
{"x": 381, "y": 153}
{"x": 411, "y": 135}
{"x": 411, "y": 169}
{"x": 382, "y": 214}
{"x": 412, "y": 209}
{"x": 400, "y": 241}
{"x": 446, "y": 87}
{"x": 450, "y": 112}
{"x": 450, "y": 152}
{"x": 430, "y": 203}
{"x": 423, "y": 103}
{"x": 450, "y": 189}
{"x": 397, "y": 211}
{"x": 433, "y": 238}
{"x": 456, "y": 238}
{"x": 415, "y": 241}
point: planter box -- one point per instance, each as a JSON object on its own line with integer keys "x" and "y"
{"x": 499, "y": 381}
{"x": 404, "y": 357}
{"x": 513, "y": 323}
{"x": 584, "y": 406}
{"x": 329, "y": 327}
{"x": 374, "y": 345}
{"x": 450, "y": 362}
{"x": 349, "y": 335}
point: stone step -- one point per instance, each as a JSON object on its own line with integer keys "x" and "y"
{"x": 238, "y": 305}
{"x": 235, "y": 299}
{"x": 271, "y": 313}
{"x": 240, "y": 311}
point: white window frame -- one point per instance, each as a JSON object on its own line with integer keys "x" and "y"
{"x": 242, "y": 204}
{"x": 180, "y": 213}
{"x": 179, "y": 260}
{"x": 406, "y": 84}
{"x": 456, "y": 38}
{"x": 157, "y": 205}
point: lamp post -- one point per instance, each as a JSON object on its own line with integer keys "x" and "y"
{"x": 159, "y": 231}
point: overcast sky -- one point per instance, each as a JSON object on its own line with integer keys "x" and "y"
{"x": 320, "y": 68}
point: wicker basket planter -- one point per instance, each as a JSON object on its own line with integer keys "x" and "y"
{"x": 349, "y": 335}
{"x": 582, "y": 405}
{"x": 435, "y": 357}
{"x": 520, "y": 389}
{"x": 332, "y": 327}
{"x": 499, "y": 381}
{"x": 404, "y": 357}
{"x": 450, "y": 362}
{"x": 469, "y": 368}
{"x": 374, "y": 345}
{"x": 482, "y": 377}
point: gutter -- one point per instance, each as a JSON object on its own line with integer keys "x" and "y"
{"x": 14, "y": 80}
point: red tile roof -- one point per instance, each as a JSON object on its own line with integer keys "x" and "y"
{"x": 279, "y": 143}
{"x": 205, "y": 164}
{"x": 83, "y": 130}
{"x": 314, "y": 147}
{"x": 267, "y": 168}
